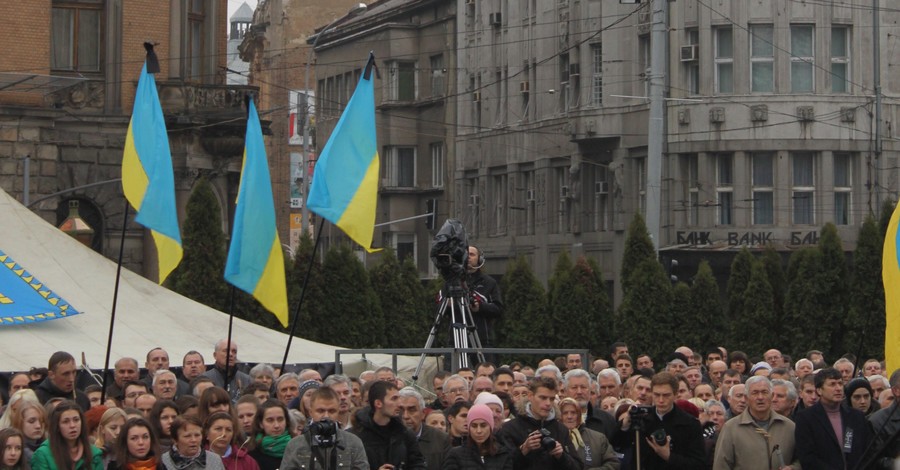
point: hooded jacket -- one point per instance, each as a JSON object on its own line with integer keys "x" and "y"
{"x": 393, "y": 444}
{"x": 47, "y": 390}
{"x": 516, "y": 431}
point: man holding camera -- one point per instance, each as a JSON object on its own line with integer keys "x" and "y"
{"x": 669, "y": 437}
{"x": 322, "y": 445}
{"x": 540, "y": 440}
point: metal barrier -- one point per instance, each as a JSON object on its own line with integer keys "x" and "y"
{"x": 453, "y": 352}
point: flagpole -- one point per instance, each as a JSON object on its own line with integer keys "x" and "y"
{"x": 312, "y": 260}
{"x": 112, "y": 315}
{"x": 228, "y": 341}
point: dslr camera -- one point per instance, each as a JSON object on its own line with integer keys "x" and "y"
{"x": 323, "y": 433}
{"x": 547, "y": 443}
{"x": 638, "y": 413}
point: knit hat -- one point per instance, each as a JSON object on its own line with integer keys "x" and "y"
{"x": 688, "y": 408}
{"x": 307, "y": 386}
{"x": 760, "y": 365}
{"x": 486, "y": 398}
{"x": 481, "y": 412}
{"x": 856, "y": 384}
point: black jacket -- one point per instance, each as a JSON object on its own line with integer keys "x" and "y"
{"x": 467, "y": 458}
{"x": 601, "y": 421}
{"x": 816, "y": 445}
{"x": 487, "y": 292}
{"x": 514, "y": 432}
{"x": 434, "y": 445}
{"x": 46, "y": 390}
{"x": 688, "y": 452}
{"x": 265, "y": 461}
{"x": 393, "y": 444}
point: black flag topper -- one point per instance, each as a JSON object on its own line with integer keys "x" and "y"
{"x": 152, "y": 61}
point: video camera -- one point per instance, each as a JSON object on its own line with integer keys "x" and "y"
{"x": 637, "y": 414}
{"x": 450, "y": 250}
{"x": 323, "y": 433}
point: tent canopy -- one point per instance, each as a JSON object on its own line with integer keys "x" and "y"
{"x": 147, "y": 315}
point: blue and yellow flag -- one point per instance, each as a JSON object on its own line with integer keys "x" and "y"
{"x": 890, "y": 272}
{"x": 147, "y": 178}
{"x": 345, "y": 183}
{"x": 25, "y": 299}
{"x": 255, "y": 262}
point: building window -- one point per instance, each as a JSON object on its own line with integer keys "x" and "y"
{"x": 642, "y": 185}
{"x": 530, "y": 202}
{"x": 763, "y": 189}
{"x": 404, "y": 244}
{"x": 564, "y": 88}
{"x": 693, "y": 189}
{"x": 692, "y": 67}
{"x": 802, "y": 58}
{"x": 500, "y": 202}
{"x": 804, "y": 188}
{"x": 762, "y": 59}
{"x": 600, "y": 212}
{"x": 195, "y": 55}
{"x": 840, "y": 59}
{"x": 437, "y": 76}
{"x": 563, "y": 220}
{"x": 437, "y": 165}
{"x": 843, "y": 188}
{"x": 402, "y": 81}
{"x": 597, "y": 74}
{"x": 725, "y": 188}
{"x": 76, "y": 36}
{"x": 724, "y": 59}
{"x": 400, "y": 171}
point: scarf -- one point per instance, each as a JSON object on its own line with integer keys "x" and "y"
{"x": 147, "y": 464}
{"x": 576, "y": 438}
{"x": 181, "y": 462}
{"x": 273, "y": 446}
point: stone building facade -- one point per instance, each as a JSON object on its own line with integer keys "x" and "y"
{"x": 67, "y": 84}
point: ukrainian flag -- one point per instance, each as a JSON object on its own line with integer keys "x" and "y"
{"x": 255, "y": 262}
{"x": 890, "y": 271}
{"x": 345, "y": 183}
{"x": 147, "y": 178}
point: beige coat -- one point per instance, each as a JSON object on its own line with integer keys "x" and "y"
{"x": 743, "y": 446}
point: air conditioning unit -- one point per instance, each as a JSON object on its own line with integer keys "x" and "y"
{"x": 473, "y": 199}
{"x": 495, "y": 19}
{"x": 529, "y": 195}
{"x": 476, "y": 96}
{"x": 601, "y": 187}
{"x": 524, "y": 87}
{"x": 574, "y": 70}
{"x": 689, "y": 53}
{"x": 564, "y": 192}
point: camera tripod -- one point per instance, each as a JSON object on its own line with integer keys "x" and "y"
{"x": 462, "y": 325}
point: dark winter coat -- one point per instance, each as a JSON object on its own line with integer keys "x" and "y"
{"x": 816, "y": 445}
{"x": 467, "y": 457}
{"x": 46, "y": 390}
{"x": 515, "y": 432}
{"x": 393, "y": 444}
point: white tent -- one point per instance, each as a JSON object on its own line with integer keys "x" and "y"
{"x": 147, "y": 315}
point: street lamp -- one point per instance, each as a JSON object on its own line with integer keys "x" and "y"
{"x": 304, "y": 214}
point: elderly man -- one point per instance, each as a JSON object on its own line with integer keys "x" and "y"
{"x": 550, "y": 371}
{"x": 456, "y": 389}
{"x": 236, "y": 380}
{"x": 737, "y": 399}
{"x": 598, "y": 365}
{"x": 803, "y": 367}
{"x": 573, "y": 361}
{"x": 845, "y": 367}
{"x": 749, "y": 440}
{"x": 433, "y": 443}
{"x": 610, "y": 383}
{"x": 287, "y": 387}
{"x": 577, "y": 386}
{"x": 158, "y": 359}
{"x": 886, "y": 424}
{"x": 192, "y": 366}
{"x": 165, "y": 385}
{"x": 481, "y": 384}
{"x": 715, "y": 372}
{"x": 784, "y": 398}
{"x": 125, "y": 370}
{"x": 343, "y": 388}
{"x": 774, "y": 358}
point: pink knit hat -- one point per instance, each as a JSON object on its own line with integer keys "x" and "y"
{"x": 481, "y": 412}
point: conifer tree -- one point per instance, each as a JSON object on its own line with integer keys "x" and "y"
{"x": 866, "y": 322}
{"x": 775, "y": 273}
{"x": 738, "y": 279}
{"x": 755, "y": 329}
{"x": 638, "y": 247}
{"x": 352, "y": 316}
{"x": 525, "y": 321}
{"x": 887, "y": 210}
{"x": 804, "y": 303}
{"x": 835, "y": 284}
{"x": 683, "y": 327}
{"x": 577, "y": 302}
{"x": 602, "y": 307}
{"x": 706, "y": 306}
{"x": 561, "y": 304}
{"x": 643, "y": 319}
{"x": 201, "y": 274}
{"x": 400, "y": 299}
{"x": 310, "y": 313}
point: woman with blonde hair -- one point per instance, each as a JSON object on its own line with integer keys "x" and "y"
{"x": 106, "y": 437}
{"x": 17, "y": 398}
{"x": 31, "y": 420}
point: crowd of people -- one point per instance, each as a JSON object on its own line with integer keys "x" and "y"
{"x": 715, "y": 410}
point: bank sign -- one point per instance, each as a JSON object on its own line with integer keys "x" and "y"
{"x": 746, "y": 238}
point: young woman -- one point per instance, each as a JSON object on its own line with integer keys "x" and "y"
{"x": 213, "y": 400}
{"x": 739, "y": 361}
{"x": 136, "y": 448}
{"x": 187, "y": 451}
{"x": 31, "y": 420}
{"x": 221, "y": 436}
{"x": 107, "y": 433}
{"x": 162, "y": 415}
{"x": 68, "y": 446}
{"x": 246, "y": 411}
{"x": 271, "y": 434}
{"x": 12, "y": 445}
{"x": 481, "y": 450}
{"x": 593, "y": 447}
{"x": 15, "y": 402}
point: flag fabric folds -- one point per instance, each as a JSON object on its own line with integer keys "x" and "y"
{"x": 345, "y": 182}
{"x": 890, "y": 271}
{"x": 255, "y": 262}
{"x": 147, "y": 178}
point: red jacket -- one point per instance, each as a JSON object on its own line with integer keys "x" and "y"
{"x": 239, "y": 459}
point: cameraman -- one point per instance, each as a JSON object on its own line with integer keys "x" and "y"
{"x": 669, "y": 437}
{"x": 541, "y": 441}
{"x": 325, "y": 448}
{"x": 485, "y": 294}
